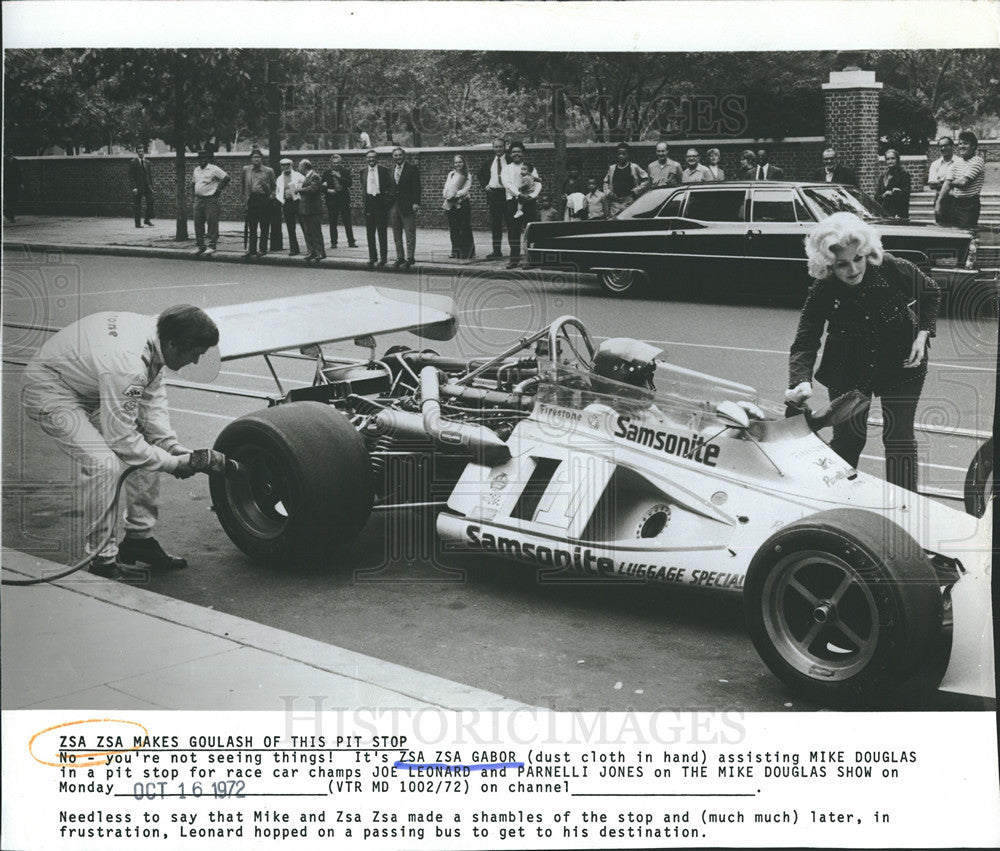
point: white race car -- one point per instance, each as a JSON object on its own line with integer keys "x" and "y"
{"x": 609, "y": 462}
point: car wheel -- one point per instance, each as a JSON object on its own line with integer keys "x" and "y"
{"x": 621, "y": 282}
{"x": 842, "y": 605}
{"x": 305, "y": 481}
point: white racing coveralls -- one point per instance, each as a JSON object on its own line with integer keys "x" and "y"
{"x": 96, "y": 388}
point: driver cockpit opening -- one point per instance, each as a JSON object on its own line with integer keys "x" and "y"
{"x": 627, "y": 360}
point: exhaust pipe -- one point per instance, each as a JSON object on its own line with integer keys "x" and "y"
{"x": 480, "y": 442}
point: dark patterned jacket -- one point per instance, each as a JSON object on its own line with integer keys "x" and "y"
{"x": 870, "y": 328}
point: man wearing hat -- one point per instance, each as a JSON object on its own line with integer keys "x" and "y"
{"x": 286, "y": 192}
{"x": 258, "y": 188}
{"x": 208, "y": 181}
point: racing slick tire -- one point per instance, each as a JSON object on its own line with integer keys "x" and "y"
{"x": 305, "y": 481}
{"x": 842, "y": 605}
{"x": 622, "y": 282}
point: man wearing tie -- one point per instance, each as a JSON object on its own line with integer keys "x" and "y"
{"x": 378, "y": 198}
{"x": 834, "y": 172}
{"x": 140, "y": 175}
{"x": 403, "y": 212}
{"x": 767, "y": 171}
{"x": 496, "y": 196}
{"x": 311, "y": 208}
{"x": 286, "y": 193}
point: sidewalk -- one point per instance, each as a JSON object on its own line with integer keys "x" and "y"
{"x": 91, "y": 235}
{"x": 89, "y": 643}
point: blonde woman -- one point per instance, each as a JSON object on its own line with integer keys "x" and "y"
{"x": 875, "y": 341}
{"x": 458, "y": 209}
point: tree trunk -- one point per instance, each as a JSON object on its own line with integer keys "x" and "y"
{"x": 180, "y": 170}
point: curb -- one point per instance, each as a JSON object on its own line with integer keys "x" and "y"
{"x": 471, "y": 271}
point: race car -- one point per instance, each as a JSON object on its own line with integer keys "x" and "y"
{"x": 608, "y": 463}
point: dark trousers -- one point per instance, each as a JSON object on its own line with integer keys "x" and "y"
{"x": 460, "y": 229}
{"x": 899, "y": 410}
{"x": 206, "y": 212}
{"x": 496, "y": 202}
{"x": 312, "y": 229}
{"x": 290, "y": 213}
{"x": 516, "y": 224}
{"x": 259, "y": 216}
{"x": 137, "y": 199}
{"x": 967, "y": 212}
{"x": 340, "y": 207}
{"x": 947, "y": 214}
{"x": 377, "y": 224}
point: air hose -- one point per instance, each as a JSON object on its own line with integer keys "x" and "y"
{"x": 112, "y": 508}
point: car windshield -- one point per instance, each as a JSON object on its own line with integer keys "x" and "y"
{"x": 646, "y": 206}
{"x": 827, "y": 200}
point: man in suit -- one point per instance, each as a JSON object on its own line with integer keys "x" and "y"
{"x": 496, "y": 196}
{"x": 378, "y": 194}
{"x": 765, "y": 170}
{"x": 287, "y": 194}
{"x": 893, "y": 187}
{"x": 403, "y": 213}
{"x": 834, "y": 172}
{"x": 311, "y": 209}
{"x": 140, "y": 176}
{"x": 258, "y": 188}
{"x": 337, "y": 185}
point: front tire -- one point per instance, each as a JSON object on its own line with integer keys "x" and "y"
{"x": 306, "y": 482}
{"x": 622, "y": 282}
{"x": 842, "y": 605}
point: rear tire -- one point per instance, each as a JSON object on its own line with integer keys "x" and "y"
{"x": 622, "y": 282}
{"x": 842, "y": 605}
{"x": 306, "y": 482}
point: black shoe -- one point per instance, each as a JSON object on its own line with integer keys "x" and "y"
{"x": 381, "y": 263}
{"x": 138, "y": 225}
{"x": 352, "y": 245}
{"x": 399, "y": 264}
{"x": 333, "y": 245}
{"x": 262, "y": 254}
{"x": 371, "y": 265}
{"x": 514, "y": 263}
{"x": 148, "y": 551}
{"x": 494, "y": 255}
{"x": 148, "y": 223}
{"x": 107, "y": 568}
{"x": 293, "y": 253}
{"x": 250, "y": 254}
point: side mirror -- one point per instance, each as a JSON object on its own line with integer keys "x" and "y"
{"x": 732, "y": 415}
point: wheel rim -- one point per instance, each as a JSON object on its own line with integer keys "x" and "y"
{"x": 820, "y": 616}
{"x": 618, "y": 280}
{"x": 259, "y": 498}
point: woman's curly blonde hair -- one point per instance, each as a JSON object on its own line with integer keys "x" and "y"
{"x": 837, "y": 231}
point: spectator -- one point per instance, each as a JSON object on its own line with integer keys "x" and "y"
{"x": 694, "y": 172}
{"x": 458, "y": 209}
{"x": 140, "y": 176}
{"x": 286, "y": 193}
{"x": 748, "y": 165}
{"x": 377, "y": 199}
{"x": 527, "y": 209}
{"x": 766, "y": 171}
{"x": 714, "y": 155}
{"x": 546, "y": 210}
{"x": 365, "y": 139}
{"x": 496, "y": 196}
{"x": 965, "y": 184}
{"x": 311, "y": 206}
{"x": 875, "y": 343}
{"x": 664, "y": 171}
{"x": 208, "y": 181}
{"x": 834, "y": 172}
{"x": 572, "y": 185}
{"x": 337, "y": 192}
{"x": 597, "y": 202}
{"x": 257, "y": 190}
{"x": 625, "y": 181}
{"x": 12, "y": 186}
{"x": 403, "y": 213}
{"x": 942, "y": 169}
{"x": 893, "y": 187}
{"x": 512, "y": 179}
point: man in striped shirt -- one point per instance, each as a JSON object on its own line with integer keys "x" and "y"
{"x": 965, "y": 184}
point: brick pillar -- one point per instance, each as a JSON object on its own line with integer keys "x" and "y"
{"x": 851, "y": 108}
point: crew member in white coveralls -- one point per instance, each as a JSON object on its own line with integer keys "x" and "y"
{"x": 96, "y": 388}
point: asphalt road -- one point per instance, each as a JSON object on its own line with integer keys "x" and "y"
{"x": 389, "y": 594}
